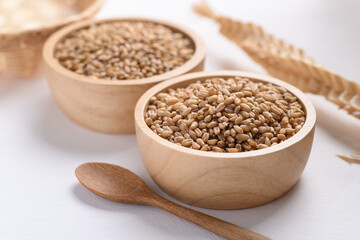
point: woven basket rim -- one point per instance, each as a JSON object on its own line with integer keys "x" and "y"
{"x": 88, "y": 12}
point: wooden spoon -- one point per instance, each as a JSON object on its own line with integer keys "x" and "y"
{"x": 121, "y": 185}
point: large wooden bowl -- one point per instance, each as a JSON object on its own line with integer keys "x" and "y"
{"x": 224, "y": 180}
{"x": 107, "y": 105}
{"x": 20, "y": 52}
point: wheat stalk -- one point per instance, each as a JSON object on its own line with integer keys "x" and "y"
{"x": 286, "y": 62}
{"x": 355, "y": 158}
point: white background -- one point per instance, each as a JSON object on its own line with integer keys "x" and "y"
{"x": 40, "y": 148}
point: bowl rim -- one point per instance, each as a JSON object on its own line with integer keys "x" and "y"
{"x": 304, "y": 131}
{"x": 195, "y": 60}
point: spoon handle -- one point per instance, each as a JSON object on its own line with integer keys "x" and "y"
{"x": 215, "y": 225}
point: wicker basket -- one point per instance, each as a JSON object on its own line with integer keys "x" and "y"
{"x": 20, "y": 53}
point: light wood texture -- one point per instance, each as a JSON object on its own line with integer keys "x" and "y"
{"x": 103, "y": 105}
{"x": 224, "y": 180}
{"x": 287, "y": 62}
{"x": 121, "y": 185}
{"x": 20, "y": 53}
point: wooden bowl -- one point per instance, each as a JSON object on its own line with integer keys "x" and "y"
{"x": 105, "y": 105}
{"x": 20, "y": 52}
{"x": 224, "y": 180}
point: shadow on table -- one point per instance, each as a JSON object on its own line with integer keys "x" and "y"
{"x": 251, "y": 217}
{"x": 247, "y": 218}
{"x": 9, "y": 84}
{"x": 54, "y": 128}
{"x": 165, "y": 223}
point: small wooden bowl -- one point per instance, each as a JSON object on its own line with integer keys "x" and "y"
{"x": 20, "y": 52}
{"x": 224, "y": 180}
{"x": 106, "y": 105}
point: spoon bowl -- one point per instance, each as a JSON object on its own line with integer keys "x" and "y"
{"x": 112, "y": 182}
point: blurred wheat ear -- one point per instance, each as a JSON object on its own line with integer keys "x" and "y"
{"x": 287, "y": 62}
{"x": 354, "y": 158}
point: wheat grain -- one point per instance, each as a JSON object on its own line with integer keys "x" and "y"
{"x": 124, "y": 50}
{"x": 216, "y": 115}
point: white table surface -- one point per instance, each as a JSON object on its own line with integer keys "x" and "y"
{"x": 40, "y": 148}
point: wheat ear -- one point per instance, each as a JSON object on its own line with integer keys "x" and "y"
{"x": 287, "y": 62}
{"x": 355, "y": 158}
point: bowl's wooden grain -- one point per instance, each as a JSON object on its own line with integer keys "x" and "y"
{"x": 20, "y": 52}
{"x": 105, "y": 105}
{"x": 224, "y": 180}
